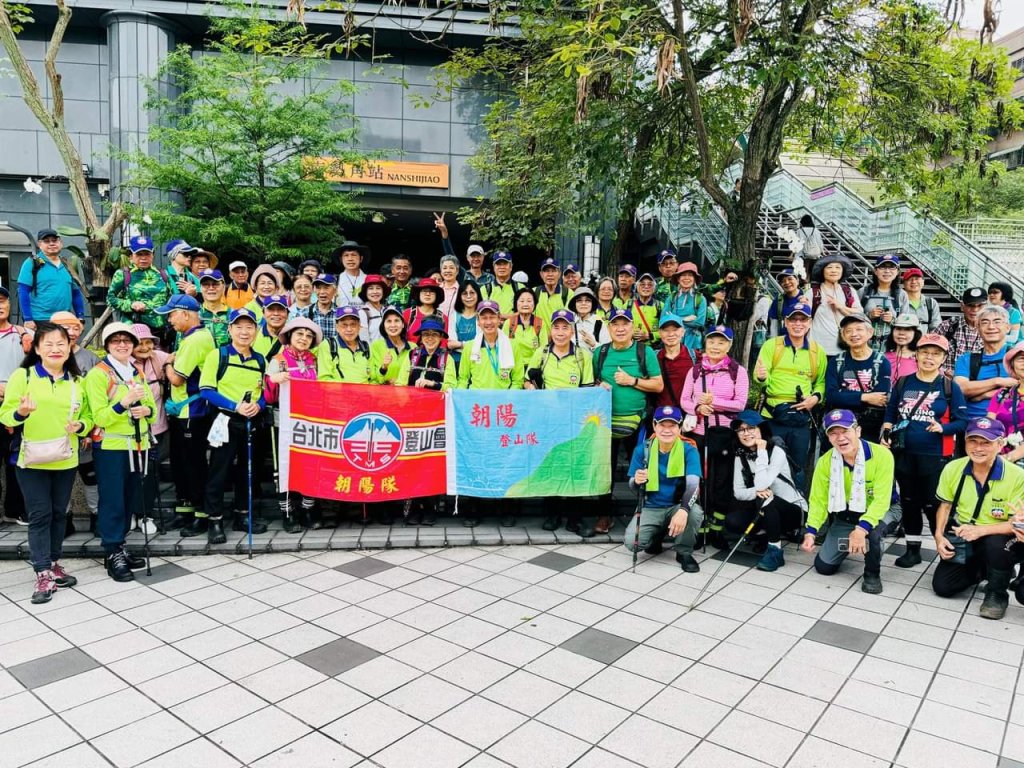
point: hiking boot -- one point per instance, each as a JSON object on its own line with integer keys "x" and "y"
{"x": 241, "y": 523}
{"x": 996, "y": 599}
{"x": 118, "y": 568}
{"x": 580, "y": 528}
{"x": 215, "y": 533}
{"x": 911, "y": 557}
{"x": 45, "y": 587}
{"x": 551, "y": 523}
{"x": 656, "y": 547}
{"x": 135, "y": 563}
{"x": 62, "y": 578}
{"x": 871, "y": 583}
{"x": 197, "y": 526}
{"x": 688, "y": 564}
{"x": 771, "y": 560}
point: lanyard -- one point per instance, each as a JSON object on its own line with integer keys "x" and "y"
{"x": 492, "y": 355}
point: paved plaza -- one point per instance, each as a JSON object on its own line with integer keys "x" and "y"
{"x": 516, "y": 655}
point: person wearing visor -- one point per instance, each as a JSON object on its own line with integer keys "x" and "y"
{"x": 980, "y": 498}
{"x": 852, "y": 489}
{"x": 668, "y": 469}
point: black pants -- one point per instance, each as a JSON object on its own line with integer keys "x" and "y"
{"x": 779, "y": 516}
{"x": 918, "y": 477}
{"x": 987, "y": 553}
{"x": 189, "y": 466}
{"x": 229, "y": 460}
{"x": 14, "y": 504}
{"x": 606, "y": 503}
{"x": 46, "y": 493}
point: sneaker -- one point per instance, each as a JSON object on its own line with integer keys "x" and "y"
{"x": 771, "y": 560}
{"x": 117, "y": 567}
{"x": 62, "y": 578}
{"x": 45, "y": 587}
{"x": 551, "y": 523}
{"x": 135, "y": 563}
{"x": 580, "y": 528}
{"x": 871, "y": 583}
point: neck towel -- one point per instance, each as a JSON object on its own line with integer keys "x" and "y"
{"x": 676, "y": 464}
{"x": 837, "y": 484}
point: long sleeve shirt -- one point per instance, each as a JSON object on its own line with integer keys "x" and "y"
{"x": 729, "y": 394}
{"x": 878, "y": 477}
{"x": 847, "y": 379}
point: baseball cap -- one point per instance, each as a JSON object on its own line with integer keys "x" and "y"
{"x": 800, "y": 308}
{"x": 646, "y": 276}
{"x": 749, "y": 417}
{"x": 912, "y": 272}
{"x": 179, "y": 301}
{"x": 501, "y": 256}
{"x": 324, "y": 278}
{"x": 4, "y": 292}
{"x": 241, "y": 314}
{"x": 347, "y": 311}
{"x": 276, "y": 299}
{"x": 564, "y": 314}
{"x": 906, "y": 320}
{"x": 488, "y": 306}
{"x": 570, "y": 267}
{"x": 620, "y": 313}
{"x": 211, "y": 274}
{"x": 628, "y": 269}
{"x": 140, "y": 243}
{"x": 48, "y": 232}
{"x": 668, "y": 253}
{"x": 720, "y": 330}
{"x": 888, "y": 258}
{"x": 237, "y": 265}
{"x": 856, "y": 317}
{"x": 988, "y": 429}
{"x": 433, "y": 324}
{"x": 974, "y": 296}
{"x": 475, "y": 249}
{"x": 668, "y": 318}
{"x": 934, "y": 340}
{"x": 174, "y": 247}
{"x": 668, "y": 413}
{"x": 839, "y": 418}
{"x": 787, "y": 272}
{"x": 549, "y": 263}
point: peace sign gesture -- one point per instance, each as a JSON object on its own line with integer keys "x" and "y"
{"x": 439, "y": 224}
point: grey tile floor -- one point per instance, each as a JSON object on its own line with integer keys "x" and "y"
{"x": 488, "y": 656}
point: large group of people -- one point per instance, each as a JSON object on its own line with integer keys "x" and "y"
{"x": 859, "y": 414}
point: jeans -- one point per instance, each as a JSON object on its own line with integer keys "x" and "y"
{"x": 47, "y": 493}
{"x": 798, "y": 443}
{"x": 654, "y": 525}
{"x": 120, "y": 495}
{"x": 987, "y": 553}
{"x": 830, "y": 558}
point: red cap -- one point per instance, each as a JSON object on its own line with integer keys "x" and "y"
{"x": 912, "y": 272}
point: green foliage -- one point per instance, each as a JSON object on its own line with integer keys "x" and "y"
{"x": 235, "y": 138}
{"x": 998, "y": 194}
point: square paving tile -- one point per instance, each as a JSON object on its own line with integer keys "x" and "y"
{"x": 599, "y": 646}
{"x": 556, "y": 561}
{"x": 163, "y": 572}
{"x": 337, "y": 656}
{"x": 841, "y": 636}
{"x": 50, "y": 669}
{"x": 744, "y": 558}
{"x": 364, "y": 566}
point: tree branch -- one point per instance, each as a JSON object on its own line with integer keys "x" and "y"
{"x": 50, "y": 61}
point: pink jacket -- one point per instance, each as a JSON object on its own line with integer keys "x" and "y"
{"x": 300, "y": 365}
{"x": 729, "y": 397}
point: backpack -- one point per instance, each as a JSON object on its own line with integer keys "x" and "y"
{"x": 975, "y": 365}
{"x": 876, "y": 364}
{"x": 224, "y": 362}
{"x": 38, "y": 262}
{"x": 851, "y": 297}
{"x": 602, "y": 355}
{"x": 419, "y": 356}
{"x": 540, "y": 289}
{"x": 780, "y": 346}
{"x": 544, "y": 361}
{"x": 733, "y": 368}
{"x": 126, "y": 274}
{"x": 332, "y": 344}
{"x": 538, "y": 325}
{"x": 486, "y": 291}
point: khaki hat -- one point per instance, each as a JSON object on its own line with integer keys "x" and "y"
{"x": 64, "y": 318}
{"x": 124, "y": 328}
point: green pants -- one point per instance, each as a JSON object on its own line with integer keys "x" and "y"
{"x": 654, "y": 527}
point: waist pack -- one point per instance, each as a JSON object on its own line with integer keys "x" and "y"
{"x": 35, "y": 453}
{"x": 785, "y": 415}
{"x": 174, "y": 408}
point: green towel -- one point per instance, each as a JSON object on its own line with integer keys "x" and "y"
{"x": 676, "y": 463}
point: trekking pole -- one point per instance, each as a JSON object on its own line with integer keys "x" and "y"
{"x": 757, "y": 516}
{"x": 708, "y": 515}
{"x": 248, "y": 461}
{"x": 141, "y": 468}
{"x": 641, "y": 497}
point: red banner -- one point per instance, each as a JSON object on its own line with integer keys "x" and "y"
{"x": 360, "y": 442}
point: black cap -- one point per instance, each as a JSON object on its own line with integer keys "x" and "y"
{"x": 4, "y": 292}
{"x": 974, "y": 296}
{"x": 47, "y": 233}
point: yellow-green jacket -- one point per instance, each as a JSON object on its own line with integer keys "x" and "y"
{"x": 53, "y": 399}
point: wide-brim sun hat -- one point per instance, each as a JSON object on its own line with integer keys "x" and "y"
{"x": 285, "y": 335}
{"x": 113, "y": 328}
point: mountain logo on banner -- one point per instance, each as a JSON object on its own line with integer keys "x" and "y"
{"x": 371, "y": 441}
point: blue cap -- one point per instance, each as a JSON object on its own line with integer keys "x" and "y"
{"x": 211, "y": 274}
{"x": 488, "y": 306}
{"x": 888, "y": 258}
{"x": 140, "y": 243}
{"x": 628, "y": 268}
{"x": 241, "y": 314}
{"x": 987, "y": 429}
{"x": 549, "y": 262}
{"x": 750, "y": 417}
{"x": 324, "y": 278}
{"x": 839, "y": 418}
{"x": 433, "y": 324}
{"x": 720, "y": 330}
{"x": 174, "y": 247}
{"x": 668, "y": 413}
{"x": 4, "y": 292}
{"x": 787, "y": 272}
{"x": 179, "y": 301}
{"x": 667, "y": 318}
{"x": 276, "y": 299}
{"x": 346, "y": 311}
{"x": 668, "y": 253}
{"x": 800, "y": 308}
{"x": 564, "y": 314}
{"x": 501, "y": 256}
{"x": 570, "y": 267}
{"x": 620, "y": 313}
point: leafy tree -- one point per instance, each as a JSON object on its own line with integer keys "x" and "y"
{"x": 235, "y": 142}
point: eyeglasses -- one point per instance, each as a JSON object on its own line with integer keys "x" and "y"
{"x": 745, "y": 429}
{"x": 121, "y": 340}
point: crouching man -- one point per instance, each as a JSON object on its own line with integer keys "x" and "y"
{"x": 669, "y": 468}
{"x": 852, "y": 489}
{"x": 974, "y": 522}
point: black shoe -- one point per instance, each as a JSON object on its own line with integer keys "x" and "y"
{"x": 215, "y": 532}
{"x": 580, "y": 528}
{"x": 871, "y": 583}
{"x": 428, "y": 518}
{"x": 241, "y": 524}
{"x": 911, "y": 557}
{"x": 135, "y": 563}
{"x": 196, "y": 527}
{"x": 717, "y": 540}
{"x": 994, "y": 605}
{"x": 507, "y": 521}
{"x": 656, "y": 547}
{"x": 470, "y": 522}
{"x": 689, "y": 565}
{"x": 760, "y": 546}
{"x": 291, "y": 525}
{"x": 92, "y": 523}
{"x": 178, "y": 521}
{"x": 118, "y": 568}
{"x": 551, "y": 523}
